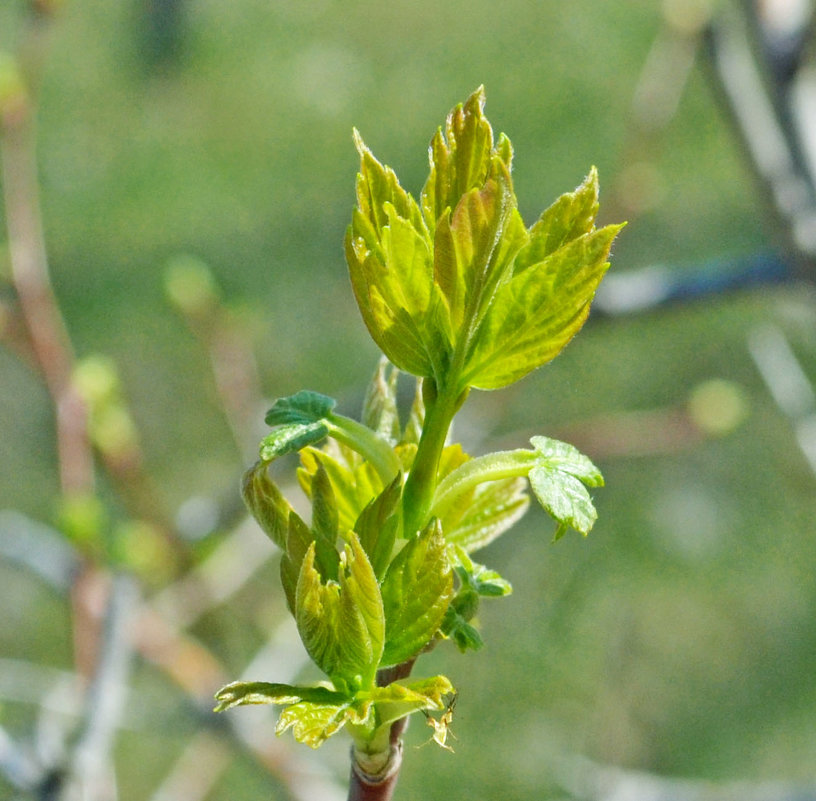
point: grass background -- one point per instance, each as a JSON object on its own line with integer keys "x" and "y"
{"x": 680, "y": 637}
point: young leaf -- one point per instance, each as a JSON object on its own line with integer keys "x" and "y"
{"x": 402, "y": 698}
{"x": 416, "y": 592}
{"x": 306, "y": 418}
{"x": 380, "y": 405}
{"x": 456, "y": 627}
{"x": 377, "y": 526}
{"x": 483, "y": 581}
{"x": 298, "y": 540}
{"x": 312, "y": 724}
{"x": 240, "y": 693}
{"x": 565, "y": 498}
{"x": 459, "y": 159}
{"x": 555, "y": 471}
{"x": 567, "y": 458}
{"x": 534, "y": 315}
{"x": 325, "y": 524}
{"x": 556, "y": 481}
{"x": 571, "y": 216}
{"x": 302, "y": 407}
{"x": 342, "y": 622}
{"x": 266, "y": 503}
{"x": 290, "y": 438}
{"x": 485, "y": 513}
{"x": 354, "y": 481}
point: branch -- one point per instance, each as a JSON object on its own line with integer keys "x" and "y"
{"x": 29, "y": 268}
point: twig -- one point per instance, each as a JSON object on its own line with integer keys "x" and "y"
{"x": 91, "y": 767}
{"x": 29, "y": 267}
{"x": 788, "y": 384}
{"x": 16, "y": 764}
{"x": 241, "y": 554}
{"x": 38, "y": 548}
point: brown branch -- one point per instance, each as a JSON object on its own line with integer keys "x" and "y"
{"x": 29, "y": 267}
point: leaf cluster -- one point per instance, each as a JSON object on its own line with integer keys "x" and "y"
{"x": 454, "y": 287}
{"x": 458, "y": 292}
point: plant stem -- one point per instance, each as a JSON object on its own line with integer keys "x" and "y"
{"x": 379, "y": 785}
{"x": 421, "y": 482}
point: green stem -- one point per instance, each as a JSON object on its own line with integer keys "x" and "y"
{"x": 367, "y": 443}
{"x": 420, "y": 485}
{"x": 491, "y": 467}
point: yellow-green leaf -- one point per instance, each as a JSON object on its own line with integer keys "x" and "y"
{"x": 416, "y": 592}
{"x": 534, "y": 315}
{"x": 342, "y": 623}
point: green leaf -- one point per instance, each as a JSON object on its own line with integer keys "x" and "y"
{"x": 556, "y": 481}
{"x": 565, "y": 498}
{"x": 485, "y": 513}
{"x": 463, "y": 246}
{"x": 266, "y": 503}
{"x": 302, "y": 407}
{"x": 306, "y": 418}
{"x": 534, "y": 315}
{"x": 555, "y": 471}
{"x": 354, "y": 481}
{"x": 567, "y": 458}
{"x": 380, "y": 405}
{"x": 377, "y": 526}
{"x": 459, "y": 159}
{"x": 571, "y": 216}
{"x": 325, "y": 524}
{"x": 378, "y": 186}
{"x": 290, "y": 438}
{"x": 240, "y": 693}
{"x": 298, "y": 540}
{"x": 342, "y": 622}
{"x": 312, "y": 724}
{"x": 402, "y": 698}
{"x": 416, "y": 592}
{"x": 480, "y": 579}
{"x": 457, "y": 628}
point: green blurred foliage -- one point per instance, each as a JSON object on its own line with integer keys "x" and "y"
{"x": 679, "y": 637}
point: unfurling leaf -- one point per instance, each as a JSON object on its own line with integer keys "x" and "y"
{"x": 380, "y": 406}
{"x": 570, "y": 216}
{"x": 534, "y": 315}
{"x": 557, "y": 480}
{"x": 266, "y": 503}
{"x": 302, "y": 421}
{"x": 462, "y": 292}
{"x": 555, "y": 470}
{"x": 401, "y": 698}
{"x": 290, "y": 438}
{"x": 483, "y": 581}
{"x": 342, "y": 622}
{"x": 306, "y": 418}
{"x": 486, "y": 512}
{"x": 312, "y": 724}
{"x": 416, "y": 592}
{"x": 298, "y": 540}
{"x": 353, "y": 480}
{"x": 302, "y": 407}
{"x": 377, "y": 526}
{"x": 241, "y": 693}
{"x": 568, "y": 459}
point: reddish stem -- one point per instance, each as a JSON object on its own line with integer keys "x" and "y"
{"x": 364, "y": 786}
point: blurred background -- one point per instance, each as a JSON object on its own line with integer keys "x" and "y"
{"x": 196, "y": 176}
